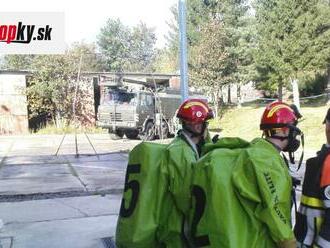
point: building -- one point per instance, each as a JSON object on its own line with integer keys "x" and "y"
{"x": 13, "y": 102}
{"x": 14, "y": 113}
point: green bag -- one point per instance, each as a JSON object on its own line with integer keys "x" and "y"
{"x": 157, "y": 195}
{"x": 241, "y": 196}
{"x": 177, "y": 167}
{"x": 144, "y": 193}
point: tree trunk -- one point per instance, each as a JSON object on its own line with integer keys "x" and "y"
{"x": 239, "y": 99}
{"x": 295, "y": 91}
{"x": 58, "y": 119}
{"x": 53, "y": 119}
{"x": 229, "y": 94}
{"x": 216, "y": 92}
{"x": 280, "y": 92}
{"x": 216, "y": 102}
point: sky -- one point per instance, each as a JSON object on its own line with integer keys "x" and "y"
{"x": 84, "y": 19}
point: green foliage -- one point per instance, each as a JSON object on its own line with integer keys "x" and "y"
{"x": 222, "y": 54}
{"x": 90, "y": 60}
{"x": 18, "y": 62}
{"x": 142, "y": 48}
{"x": 114, "y": 44}
{"x": 51, "y": 87}
{"x": 313, "y": 85}
{"x": 172, "y": 37}
{"x": 209, "y": 60}
{"x": 125, "y": 48}
{"x": 282, "y": 41}
{"x": 293, "y": 37}
{"x": 220, "y": 39}
{"x": 164, "y": 62}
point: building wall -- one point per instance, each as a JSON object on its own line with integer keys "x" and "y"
{"x": 13, "y": 104}
{"x": 248, "y": 93}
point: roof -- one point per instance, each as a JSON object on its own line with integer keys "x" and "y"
{"x": 131, "y": 74}
{"x": 15, "y": 72}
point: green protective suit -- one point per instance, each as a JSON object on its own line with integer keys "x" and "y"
{"x": 178, "y": 167}
{"x": 157, "y": 195}
{"x": 143, "y": 198}
{"x": 241, "y": 196}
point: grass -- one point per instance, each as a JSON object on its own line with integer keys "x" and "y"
{"x": 52, "y": 129}
{"x": 244, "y": 122}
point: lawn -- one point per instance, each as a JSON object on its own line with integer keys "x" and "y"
{"x": 244, "y": 122}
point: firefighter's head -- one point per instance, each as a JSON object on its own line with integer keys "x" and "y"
{"x": 194, "y": 114}
{"x": 279, "y": 124}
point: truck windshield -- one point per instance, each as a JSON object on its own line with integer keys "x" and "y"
{"x": 119, "y": 97}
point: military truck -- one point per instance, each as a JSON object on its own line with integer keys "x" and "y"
{"x": 141, "y": 113}
{"x": 147, "y": 112}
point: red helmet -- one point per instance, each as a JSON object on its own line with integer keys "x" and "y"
{"x": 195, "y": 111}
{"x": 277, "y": 115}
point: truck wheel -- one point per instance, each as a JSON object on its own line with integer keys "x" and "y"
{"x": 120, "y": 133}
{"x": 149, "y": 133}
{"x": 132, "y": 134}
{"x": 117, "y": 135}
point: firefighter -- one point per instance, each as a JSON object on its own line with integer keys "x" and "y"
{"x": 312, "y": 228}
{"x": 181, "y": 153}
{"x": 279, "y": 125}
{"x": 156, "y": 195}
{"x": 242, "y": 190}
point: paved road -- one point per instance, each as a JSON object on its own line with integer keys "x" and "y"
{"x": 28, "y": 164}
{"x": 75, "y": 222}
{"x": 60, "y": 201}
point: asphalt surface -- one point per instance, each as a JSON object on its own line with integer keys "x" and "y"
{"x": 31, "y": 166}
{"x": 50, "y": 197}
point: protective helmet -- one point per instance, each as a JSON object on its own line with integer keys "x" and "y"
{"x": 195, "y": 111}
{"x": 278, "y": 115}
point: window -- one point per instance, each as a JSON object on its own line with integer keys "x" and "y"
{"x": 146, "y": 100}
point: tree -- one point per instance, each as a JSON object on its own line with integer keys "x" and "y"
{"x": 113, "y": 41}
{"x": 18, "y": 62}
{"x": 172, "y": 37}
{"x": 238, "y": 27}
{"x": 91, "y": 61}
{"x": 52, "y": 87}
{"x": 127, "y": 48}
{"x": 209, "y": 61}
{"x": 142, "y": 48}
{"x": 208, "y": 22}
{"x": 293, "y": 37}
{"x": 164, "y": 62}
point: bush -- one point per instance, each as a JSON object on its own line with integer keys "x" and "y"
{"x": 313, "y": 85}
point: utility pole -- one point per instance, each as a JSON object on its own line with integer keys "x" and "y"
{"x": 183, "y": 51}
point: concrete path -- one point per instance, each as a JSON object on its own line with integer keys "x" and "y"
{"x": 59, "y": 223}
{"x": 28, "y": 164}
{"x": 40, "y": 182}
